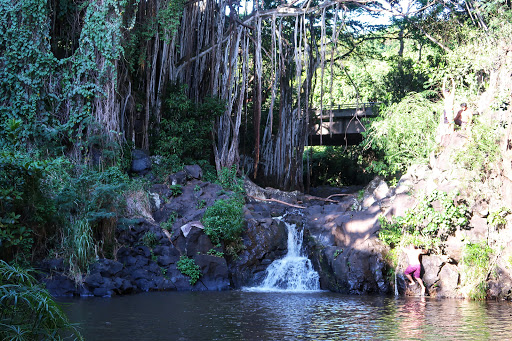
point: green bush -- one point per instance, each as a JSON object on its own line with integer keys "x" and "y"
{"x": 425, "y": 224}
{"x": 27, "y": 310}
{"x": 224, "y": 220}
{"x": 25, "y": 211}
{"x": 337, "y": 165}
{"x": 404, "y": 134}
{"x": 185, "y": 128}
{"x": 390, "y": 232}
{"x": 475, "y": 268}
{"x": 229, "y": 181}
{"x": 188, "y": 267}
{"x": 483, "y": 148}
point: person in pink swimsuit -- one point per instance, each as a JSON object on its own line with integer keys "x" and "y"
{"x": 413, "y": 256}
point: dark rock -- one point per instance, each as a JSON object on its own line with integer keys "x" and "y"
{"x": 141, "y": 274}
{"x": 197, "y": 242}
{"x": 193, "y": 172}
{"x": 145, "y": 284}
{"x": 170, "y": 251}
{"x": 94, "y": 280}
{"x": 167, "y": 260}
{"x": 102, "y": 292}
{"x": 154, "y": 268}
{"x": 127, "y": 287}
{"x": 60, "y": 285}
{"x": 141, "y": 163}
{"x": 143, "y": 251}
{"x": 162, "y": 283}
{"x": 179, "y": 178}
{"x": 215, "y": 272}
{"x": 106, "y": 267}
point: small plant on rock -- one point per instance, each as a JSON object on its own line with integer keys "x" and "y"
{"x": 149, "y": 239}
{"x": 498, "y": 219}
{"x": 176, "y": 190}
{"x": 213, "y": 252}
{"x": 188, "y": 267}
{"x": 201, "y": 204}
{"x": 170, "y": 221}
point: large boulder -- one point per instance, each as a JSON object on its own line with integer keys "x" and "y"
{"x": 141, "y": 162}
{"x": 264, "y": 241}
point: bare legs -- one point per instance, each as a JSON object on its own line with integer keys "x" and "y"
{"x": 420, "y": 282}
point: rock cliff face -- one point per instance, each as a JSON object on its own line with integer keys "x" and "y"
{"x": 341, "y": 237}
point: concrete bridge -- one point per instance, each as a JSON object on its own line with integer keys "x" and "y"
{"x": 346, "y": 127}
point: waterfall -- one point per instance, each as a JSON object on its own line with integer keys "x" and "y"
{"x": 294, "y": 272}
{"x": 396, "y": 284}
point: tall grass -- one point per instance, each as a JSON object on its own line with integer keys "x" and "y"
{"x": 80, "y": 245}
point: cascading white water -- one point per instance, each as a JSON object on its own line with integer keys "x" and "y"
{"x": 396, "y": 286}
{"x": 294, "y": 272}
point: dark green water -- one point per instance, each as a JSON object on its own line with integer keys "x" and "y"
{"x": 237, "y": 315}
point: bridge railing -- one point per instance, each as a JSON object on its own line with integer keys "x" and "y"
{"x": 342, "y": 106}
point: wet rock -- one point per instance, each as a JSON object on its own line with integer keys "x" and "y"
{"x": 448, "y": 281}
{"x": 264, "y": 241}
{"x": 215, "y": 272}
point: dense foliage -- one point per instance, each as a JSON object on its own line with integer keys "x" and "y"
{"x": 429, "y": 224}
{"x": 27, "y": 311}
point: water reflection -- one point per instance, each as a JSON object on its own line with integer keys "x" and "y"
{"x": 239, "y": 315}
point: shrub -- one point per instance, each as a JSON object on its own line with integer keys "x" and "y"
{"x": 404, "y": 134}
{"x": 25, "y": 211}
{"x": 475, "y": 268}
{"x": 224, "y": 220}
{"x": 188, "y": 267}
{"x": 27, "y": 311}
{"x": 185, "y": 128}
{"x": 229, "y": 181}
{"x": 483, "y": 148}
{"x": 424, "y": 225}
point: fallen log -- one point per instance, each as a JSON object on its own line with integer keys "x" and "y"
{"x": 275, "y": 200}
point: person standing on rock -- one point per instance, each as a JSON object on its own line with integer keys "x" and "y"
{"x": 464, "y": 117}
{"x": 414, "y": 267}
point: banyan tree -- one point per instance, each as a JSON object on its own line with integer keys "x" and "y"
{"x": 103, "y": 68}
{"x": 266, "y": 55}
